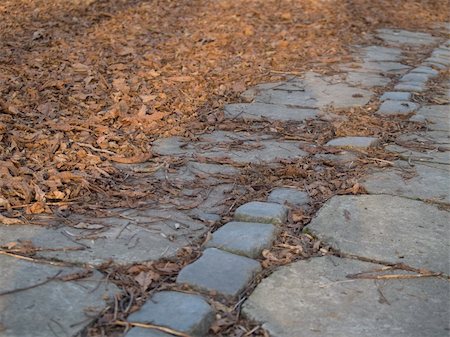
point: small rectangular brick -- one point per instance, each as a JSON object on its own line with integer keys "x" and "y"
{"x": 265, "y": 212}
{"x": 221, "y": 272}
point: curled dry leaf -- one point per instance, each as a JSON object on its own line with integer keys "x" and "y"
{"x": 10, "y": 221}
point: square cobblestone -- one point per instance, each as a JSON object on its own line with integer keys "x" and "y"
{"x": 265, "y": 212}
{"x": 183, "y": 312}
{"x": 219, "y": 271}
{"x": 244, "y": 238}
{"x": 290, "y": 196}
{"x": 397, "y": 107}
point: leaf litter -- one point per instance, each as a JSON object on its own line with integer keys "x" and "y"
{"x": 86, "y": 85}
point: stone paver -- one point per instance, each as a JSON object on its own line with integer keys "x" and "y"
{"x": 221, "y": 272}
{"x": 220, "y": 144}
{"x": 389, "y": 107}
{"x": 427, "y": 183}
{"x": 379, "y": 53}
{"x": 183, "y": 312}
{"x": 244, "y": 238}
{"x": 436, "y": 115}
{"x": 367, "y": 80}
{"x": 425, "y": 70}
{"x": 396, "y": 96}
{"x": 358, "y": 142}
{"x": 314, "y": 298}
{"x": 410, "y": 86}
{"x": 415, "y": 77}
{"x": 265, "y": 212}
{"x": 398, "y": 36}
{"x": 56, "y": 307}
{"x": 386, "y": 228}
{"x": 259, "y": 111}
{"x": 289, "y": 196}
{"x": 131, "y": 236}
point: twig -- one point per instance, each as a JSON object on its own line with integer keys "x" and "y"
{"x": 7, "y": 292}
{"x": 54, "y": 263}
{"x": 96, "y": 149}
{"x": 152, "y": 326}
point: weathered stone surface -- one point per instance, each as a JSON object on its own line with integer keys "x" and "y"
{"x": 244, "y": 238}
{"x": 289, "y": 196}
{"x": 180, "y": 311}
{"x": 343, "y": 158}
{"x": 416, "y": 156}
{"x": 318, "y": 91}
{"x": 367, "y": 80}
{"x": 264, "y": 212}
{"x": 389, "y": 107}
{"x": 314, "y": 298}
{"x": 359, "y": 142}
{"x": 438, "y": 117}
{"x": 431, "y": 139}
{"x": 435, "y": 64}
{"x": 218, "y": 271}
{"x": 425, "y": 70}
{"x": 415, "y": 77}
{"x": 259, "y": 111}
{"x": 56, "y": 307}
{"x": 397, "y": 36}
{"x": 427, "y": 183}
{"x": 385, "y": 67}
{"x": 386, "y": 228}
{"x": 410, "y": 86}
{"x": 396, "y": 96}
{"x": 142, "y": 332}
{"x": 379, "y": 53}
{"x": 221, "y": 144}
{"x": 131, "y": 236}
{"x": 440, "y": 60}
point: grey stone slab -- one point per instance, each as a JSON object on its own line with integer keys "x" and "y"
{"x": 244, "y": 238}
{"x": 379, "y": 53}
{"x": 344, "y": 158}
{"x": 386, "y": 67}
{"x": 396, "y": 96}
{"x": 427, "y": 183}
{"x": 359, "y": 142}
{"x": 410, "y": 86}
{"x": 441, "y": 52}
{"x": 290, "y": 196}
{"x": 433, "y": 139}
{"x": 386, "y": 228}
{"x": 415, "y": 156}
{"x": 437, "y": 116}
{"x": 397, "y": 36}
{"x": 142, "y": 332}
{"x": 56, "y": 307}
{"x": 439, "y": 59}
{"x": 274, "y": 112}
{"x": 415, "y": 77}
{"x": 367, "y": 80}
{"x": 389, "y": 107}
{"x": 221, "y": 272}
{"x": 319, "y": 91}
{"x": 264, "y": 212}
{"x": 435, "y": 64}
{"x": 239, "y": 147}
{"x": 132, "y": 236}
{"x": 187, "y": 313}
{"x": 314, "y": 298}
{"x": 425, "y": 70}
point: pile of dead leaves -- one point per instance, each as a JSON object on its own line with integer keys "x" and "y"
{"x": 89, "y": 83}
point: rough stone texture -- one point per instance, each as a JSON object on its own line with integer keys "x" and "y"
{"x": 218, "y": 271}
{"x": 132, "y": 236}
{"x": 386, "y": 228}
{"x": 410, "y": 86}
{"x": 397, "y": 36}
{"x": 427, "y": 183}
{"x": 264, "y": 212}
{"x": 141, "y": 332}
{"x": 385, "y": 67}
{"x": 417, "y": 156}
{"x": 436, "y": 115}
{"x": 415, "y": 77}
{"x": 259, "y": 111}
{"x": 367, "y": 80}
{"x": 397, "y": 107}
{"x": 180, "y": 311}
{"x": 56, "y": 307}
{"x": 439, "y": 60}
{"x": 221, "y": 144}
{"x": 379, "y": 53}
{"x": 359, "y": 142}
{"x": 343, "y": 158}
{"x": 314, "y": 298}
{"x": 435, "y": 64}
{"x": 425, "y": 70}
{"x": 396, "y": 96}
{"x": 315, "y": 92}
{"x": 244, "y": 238}
{"x": 289, "y": 196}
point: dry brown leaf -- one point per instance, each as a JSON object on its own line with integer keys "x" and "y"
{"x": 10, "y": 221}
